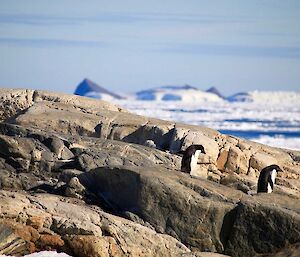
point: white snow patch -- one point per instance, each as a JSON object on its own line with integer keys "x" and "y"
{"x": 101, "y": 96}
{"x": 183, "y": 94}
{"x": 43, "y": 254}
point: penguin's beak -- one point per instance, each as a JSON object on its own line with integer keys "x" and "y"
{"x": 203, "y": 151}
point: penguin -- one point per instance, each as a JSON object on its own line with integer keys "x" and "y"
{"x": 266, "y": 180}
{"x": 190, "y": 157}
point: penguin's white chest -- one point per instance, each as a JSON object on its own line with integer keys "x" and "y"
{"x": 273, "y": 176}
{"x": 194, "y": 160}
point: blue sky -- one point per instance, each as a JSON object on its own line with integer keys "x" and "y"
{"x": 131, "y": 45}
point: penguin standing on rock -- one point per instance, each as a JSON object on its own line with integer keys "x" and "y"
{"x": 266, "y": 180}
{"x": 190, "y": 157}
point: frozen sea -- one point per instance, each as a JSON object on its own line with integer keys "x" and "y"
{"x": 275, "y": 124}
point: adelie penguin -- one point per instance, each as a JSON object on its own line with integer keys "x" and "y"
{"x": 266, "y": 180}
{"x": 190, "y": 157}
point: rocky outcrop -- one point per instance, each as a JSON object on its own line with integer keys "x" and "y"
{"x": 75, "y": 115}
{"x": 198, "y": 212}
{"x": 70, "y": 161}
{"x": 29, "y": 223}
{"x": 263, "y": 228}
{"x": 33, "y": 159}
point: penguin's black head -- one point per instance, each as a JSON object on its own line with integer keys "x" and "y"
{"x": 201, "y": 148}
{"x": 275, "y": 167}
{"x": 193, "y": 148}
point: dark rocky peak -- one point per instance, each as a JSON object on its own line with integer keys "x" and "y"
{"x": 88, "y": 86}
{"x": 215, "y": 91}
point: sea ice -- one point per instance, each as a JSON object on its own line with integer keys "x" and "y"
{"x": 272, "y": 124}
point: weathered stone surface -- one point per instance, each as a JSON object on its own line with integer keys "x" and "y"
{"x": 33, "y": 156}
{"x": 235, "y": 159}
{"x": 259, "y": 161}
{"x": 222, "y": 159}
{"x": 201, "y": 171}
{"x": 178, "y": 136}
{"x": 80, "y": 116}
{"x": 60, "y": 117}
{"x": 235, "y": 181}
{"x": 75, "y": 188}
{"x": 214, "y": 220}
{"x": 262, "y": 229}
{"x": 11, "y": 243}
{"x": 290, "y": 251}
{"x": 10, "y": 147}
{"x": 210, "y": 146}
{"x": 160, "y": 198}
{"x": 92, "y": 246}
{"x": 14, "y": 101}
{"x": 85, "y": 104}
{"x": 69, "y": 145}
{"x": 73, "y": 226}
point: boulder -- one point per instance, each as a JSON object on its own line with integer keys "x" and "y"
{"x": 237, "y": 160}
{"x": 217, "y": 217}
{"x": 11, "y": 243}
{"x": 85, "y": 104}
{"x": 76, "y": 228}
{"x": 161, "y": 199}
{"x": 263, "y": 228}
{"x": 14, "y": 101}
{"x": 259, "y": 160}
{"x": 222, "y": 159}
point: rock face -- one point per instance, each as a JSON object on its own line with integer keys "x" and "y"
{"x": 53, "y": 222}
{"x": 90, "y": 179}
{"x": 222, "y": 219}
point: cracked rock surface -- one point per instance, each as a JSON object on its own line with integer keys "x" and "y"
{"x": 89, "y": 178}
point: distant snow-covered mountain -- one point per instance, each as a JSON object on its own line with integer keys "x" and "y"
{"x": 177, "y": 93}
{"x": 265, "y": 97}
{"x": 89, "y": 88}
{"x": 186, "y": 93}
{"x": 215, "y": 91}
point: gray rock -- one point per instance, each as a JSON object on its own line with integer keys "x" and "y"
{"x": 11, "y": 243}
{"x": 66, "y": 154}
{"x": 160, "y": 199}
{"x": 262, "y": 229}
{"x": 75, "y": 188}
{"x": 55, "y": 144}
{"x": 291, "y": 251}
{"x": 14, "y": 101}
{"x": 200, "y": 213}
{"x": 10, "y": 147}
{"x": 70, "y": 225}
{"x": 19, "y": 163}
